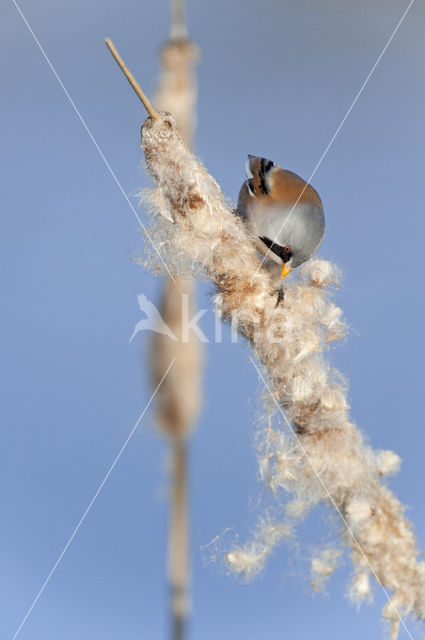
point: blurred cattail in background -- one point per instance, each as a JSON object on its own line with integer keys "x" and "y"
{"x": 179, "y": 397}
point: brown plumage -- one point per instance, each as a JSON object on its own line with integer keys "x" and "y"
{"x": 283, "y": 211}
{"x": 280, "y": 185}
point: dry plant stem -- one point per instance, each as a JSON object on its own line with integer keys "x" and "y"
{"x": 178, "y": 548}
{"x": 178, "y": 22}
{"x": 132, "y": 80}
{"x": 290, "y": 341}
{"x": 177, "y": 408}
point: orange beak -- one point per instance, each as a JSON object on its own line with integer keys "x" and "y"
{"x": 285, "y": 270}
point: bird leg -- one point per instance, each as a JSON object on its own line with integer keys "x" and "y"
{"x": 280, "y": 296}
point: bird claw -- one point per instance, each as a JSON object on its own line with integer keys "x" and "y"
{"x": 280, "y": 296}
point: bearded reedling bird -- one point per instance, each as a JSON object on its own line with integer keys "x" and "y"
{"x": 283, "y": 211}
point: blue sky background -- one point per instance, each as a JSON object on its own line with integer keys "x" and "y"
{"x": 276, "y": 78}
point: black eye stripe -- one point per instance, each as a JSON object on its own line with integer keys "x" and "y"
{"x": 285, "y": 256}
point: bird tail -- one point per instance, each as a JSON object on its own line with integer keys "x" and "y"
{"x": 257, "y": 170}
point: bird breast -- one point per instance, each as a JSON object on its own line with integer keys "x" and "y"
{"x": 301, "y": 227}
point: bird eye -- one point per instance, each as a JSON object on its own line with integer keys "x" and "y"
{"x": 287, "y": 248}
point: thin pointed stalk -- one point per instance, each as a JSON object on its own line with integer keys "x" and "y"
{"x": 132, "y": 80}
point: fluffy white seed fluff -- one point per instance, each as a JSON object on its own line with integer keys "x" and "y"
{"x": 290, "y": 342}
{"x": 322, "y": 567}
